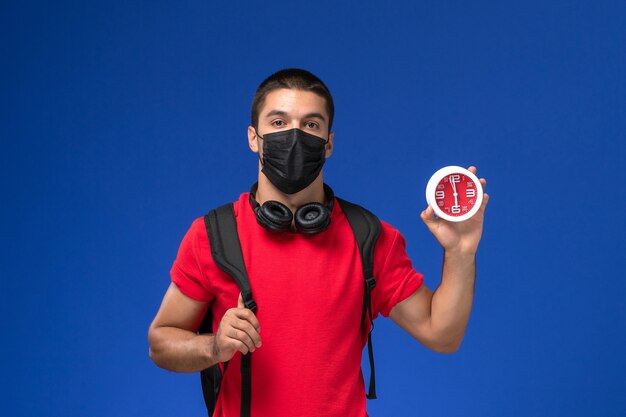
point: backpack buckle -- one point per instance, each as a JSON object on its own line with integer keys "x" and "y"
{"x": 370, "y": 282}
{"x": 251, "y": 304}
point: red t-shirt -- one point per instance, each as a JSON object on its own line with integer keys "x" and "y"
{"x": 309, "y": 292}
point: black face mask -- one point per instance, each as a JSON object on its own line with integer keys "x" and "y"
{"x": 292, "y": 159}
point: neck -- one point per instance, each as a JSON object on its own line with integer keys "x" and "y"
{"x": 314, "y": 193}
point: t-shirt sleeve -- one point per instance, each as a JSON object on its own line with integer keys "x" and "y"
{"x": 186, "y": 271}
{"x": 395, "y": 277}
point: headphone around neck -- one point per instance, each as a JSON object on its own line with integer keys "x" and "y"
{"x": 310, "y": 218}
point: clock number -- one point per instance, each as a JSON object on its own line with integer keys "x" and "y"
{"x": 439, "y": 195}
{"x": 470, "y": 193}
{"x": 455, "y": 178}
{"x": 456, "y": 209}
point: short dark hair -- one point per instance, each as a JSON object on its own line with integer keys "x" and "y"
{"x": 291, "y": 78}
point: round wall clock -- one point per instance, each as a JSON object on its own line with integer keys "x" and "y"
{"x": 454, "y": 193}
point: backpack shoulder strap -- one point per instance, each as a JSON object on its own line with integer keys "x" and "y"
{"x": 226, "y": 250}
{"x": 221, "y": 227}
{"x": 366, "y": 228}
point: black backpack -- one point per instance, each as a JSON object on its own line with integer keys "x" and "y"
{"x": 221, "y": 229}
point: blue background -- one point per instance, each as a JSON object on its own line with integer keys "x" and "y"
{"x": 121, "y": 122}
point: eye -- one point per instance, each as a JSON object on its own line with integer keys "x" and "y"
{"x": 311, "y": 125}
{"x": 278, "y": 123}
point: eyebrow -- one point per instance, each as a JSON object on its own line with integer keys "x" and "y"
{"x": 306, "y": 116}
{"x": 315, "y": 115}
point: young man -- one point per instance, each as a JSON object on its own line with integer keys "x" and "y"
{"x": 308, "y": 284}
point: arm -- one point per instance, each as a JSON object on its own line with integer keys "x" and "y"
{"x": 174, "y": 344}
{"x": 439, "y": 320}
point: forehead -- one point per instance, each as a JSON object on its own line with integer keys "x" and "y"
{"x": 294, "y": 102}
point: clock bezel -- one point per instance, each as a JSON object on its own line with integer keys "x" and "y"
{"x": 437, "y": 177}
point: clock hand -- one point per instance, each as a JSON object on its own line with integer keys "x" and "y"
{"x": 456, "y": 200}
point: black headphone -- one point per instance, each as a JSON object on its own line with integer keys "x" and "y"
{"x": 310, "y": 218}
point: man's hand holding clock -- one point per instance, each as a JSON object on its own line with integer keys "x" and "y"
{"x": 456, "y": 196}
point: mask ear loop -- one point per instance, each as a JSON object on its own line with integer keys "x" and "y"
{"x": 256, "y": 133}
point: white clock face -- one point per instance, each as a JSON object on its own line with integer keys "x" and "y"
{"x": 454, "y": 193}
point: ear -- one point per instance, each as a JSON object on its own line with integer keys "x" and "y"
{"x": 330, "y": 145}
{"x": 253, "y": 141}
